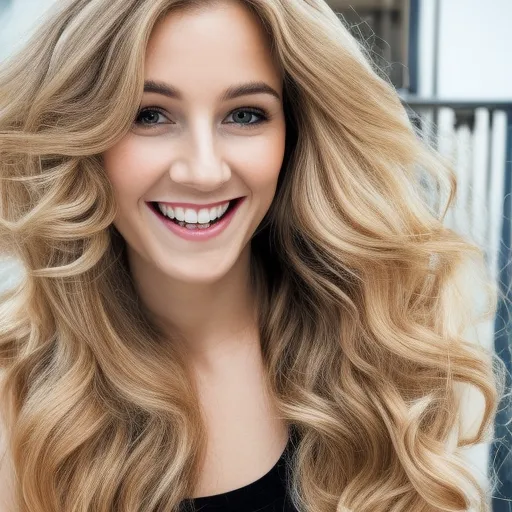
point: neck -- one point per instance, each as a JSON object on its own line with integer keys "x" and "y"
{"x": 210, "y": 318}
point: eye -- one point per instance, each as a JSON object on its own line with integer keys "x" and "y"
{"x": 146, "y": 117}
{"x": 244, "y": 115}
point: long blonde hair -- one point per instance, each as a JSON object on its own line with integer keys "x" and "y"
{"x": 362, "y": 309}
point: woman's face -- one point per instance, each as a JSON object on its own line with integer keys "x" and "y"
{"x": 211, "y": 129}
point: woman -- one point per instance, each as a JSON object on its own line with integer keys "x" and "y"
{"x": 236, "y": 294}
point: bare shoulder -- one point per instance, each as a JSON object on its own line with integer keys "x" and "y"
{"x": 6, "y": 471}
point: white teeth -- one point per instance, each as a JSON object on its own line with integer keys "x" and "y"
{"x": 191, "y": 216}
{"x": 179, "y": 213}
{"x": 203, "y": 216}
{"x": 213, "y": 213}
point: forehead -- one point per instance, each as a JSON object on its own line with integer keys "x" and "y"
{"x": 223, "y": 42}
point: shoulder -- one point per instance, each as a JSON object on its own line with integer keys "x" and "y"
{"x": 6, "y": 470}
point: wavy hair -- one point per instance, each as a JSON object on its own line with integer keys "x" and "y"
{"x": 363, "y": 312}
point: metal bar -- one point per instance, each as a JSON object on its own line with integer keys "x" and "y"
{"x": 412, "y": 49}
{"x": 437, "y": 25}
{"x": 500, "y": 449}
{"x": 436, "y": 103}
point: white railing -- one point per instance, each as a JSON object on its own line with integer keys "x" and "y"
{"x": 473, "y": 135}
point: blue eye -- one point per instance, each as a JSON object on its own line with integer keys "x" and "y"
{"x": 246, "y": 115}
{"x": 147, "y": 113}
{"x": 149, "y": 117}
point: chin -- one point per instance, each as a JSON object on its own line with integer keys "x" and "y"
{"x": 201, "y": 271}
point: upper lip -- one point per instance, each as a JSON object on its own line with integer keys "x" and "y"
{"x": 195, "y": 205}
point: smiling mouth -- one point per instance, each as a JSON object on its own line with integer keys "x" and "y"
{"x": 232, "y": 204}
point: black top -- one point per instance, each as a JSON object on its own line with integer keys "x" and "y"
{"x": 267, "y": 494}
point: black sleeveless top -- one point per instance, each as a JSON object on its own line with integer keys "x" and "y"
{"x": 267, "y": 494}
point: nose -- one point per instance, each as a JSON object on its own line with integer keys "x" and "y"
{"x": 201, "y": 167}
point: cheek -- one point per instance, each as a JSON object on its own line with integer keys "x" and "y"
{"x": 128, "y": 168}
{"x": 133, "y": 166}
{"x": 261, "y": 171}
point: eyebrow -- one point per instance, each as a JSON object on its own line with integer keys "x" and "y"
{"x": 232, "y": 92}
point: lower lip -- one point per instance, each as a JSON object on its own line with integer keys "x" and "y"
{"x": 199, "y": 233}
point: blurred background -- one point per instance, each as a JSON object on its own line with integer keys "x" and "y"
{"x": 450, "y": 62}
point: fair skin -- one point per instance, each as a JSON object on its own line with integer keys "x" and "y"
{"x": 192, "y": 151}
{"x": 200, "y": 152}
{"x": 200, "y": 148}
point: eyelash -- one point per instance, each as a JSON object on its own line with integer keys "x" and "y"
{"x": 259, "y": 112}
